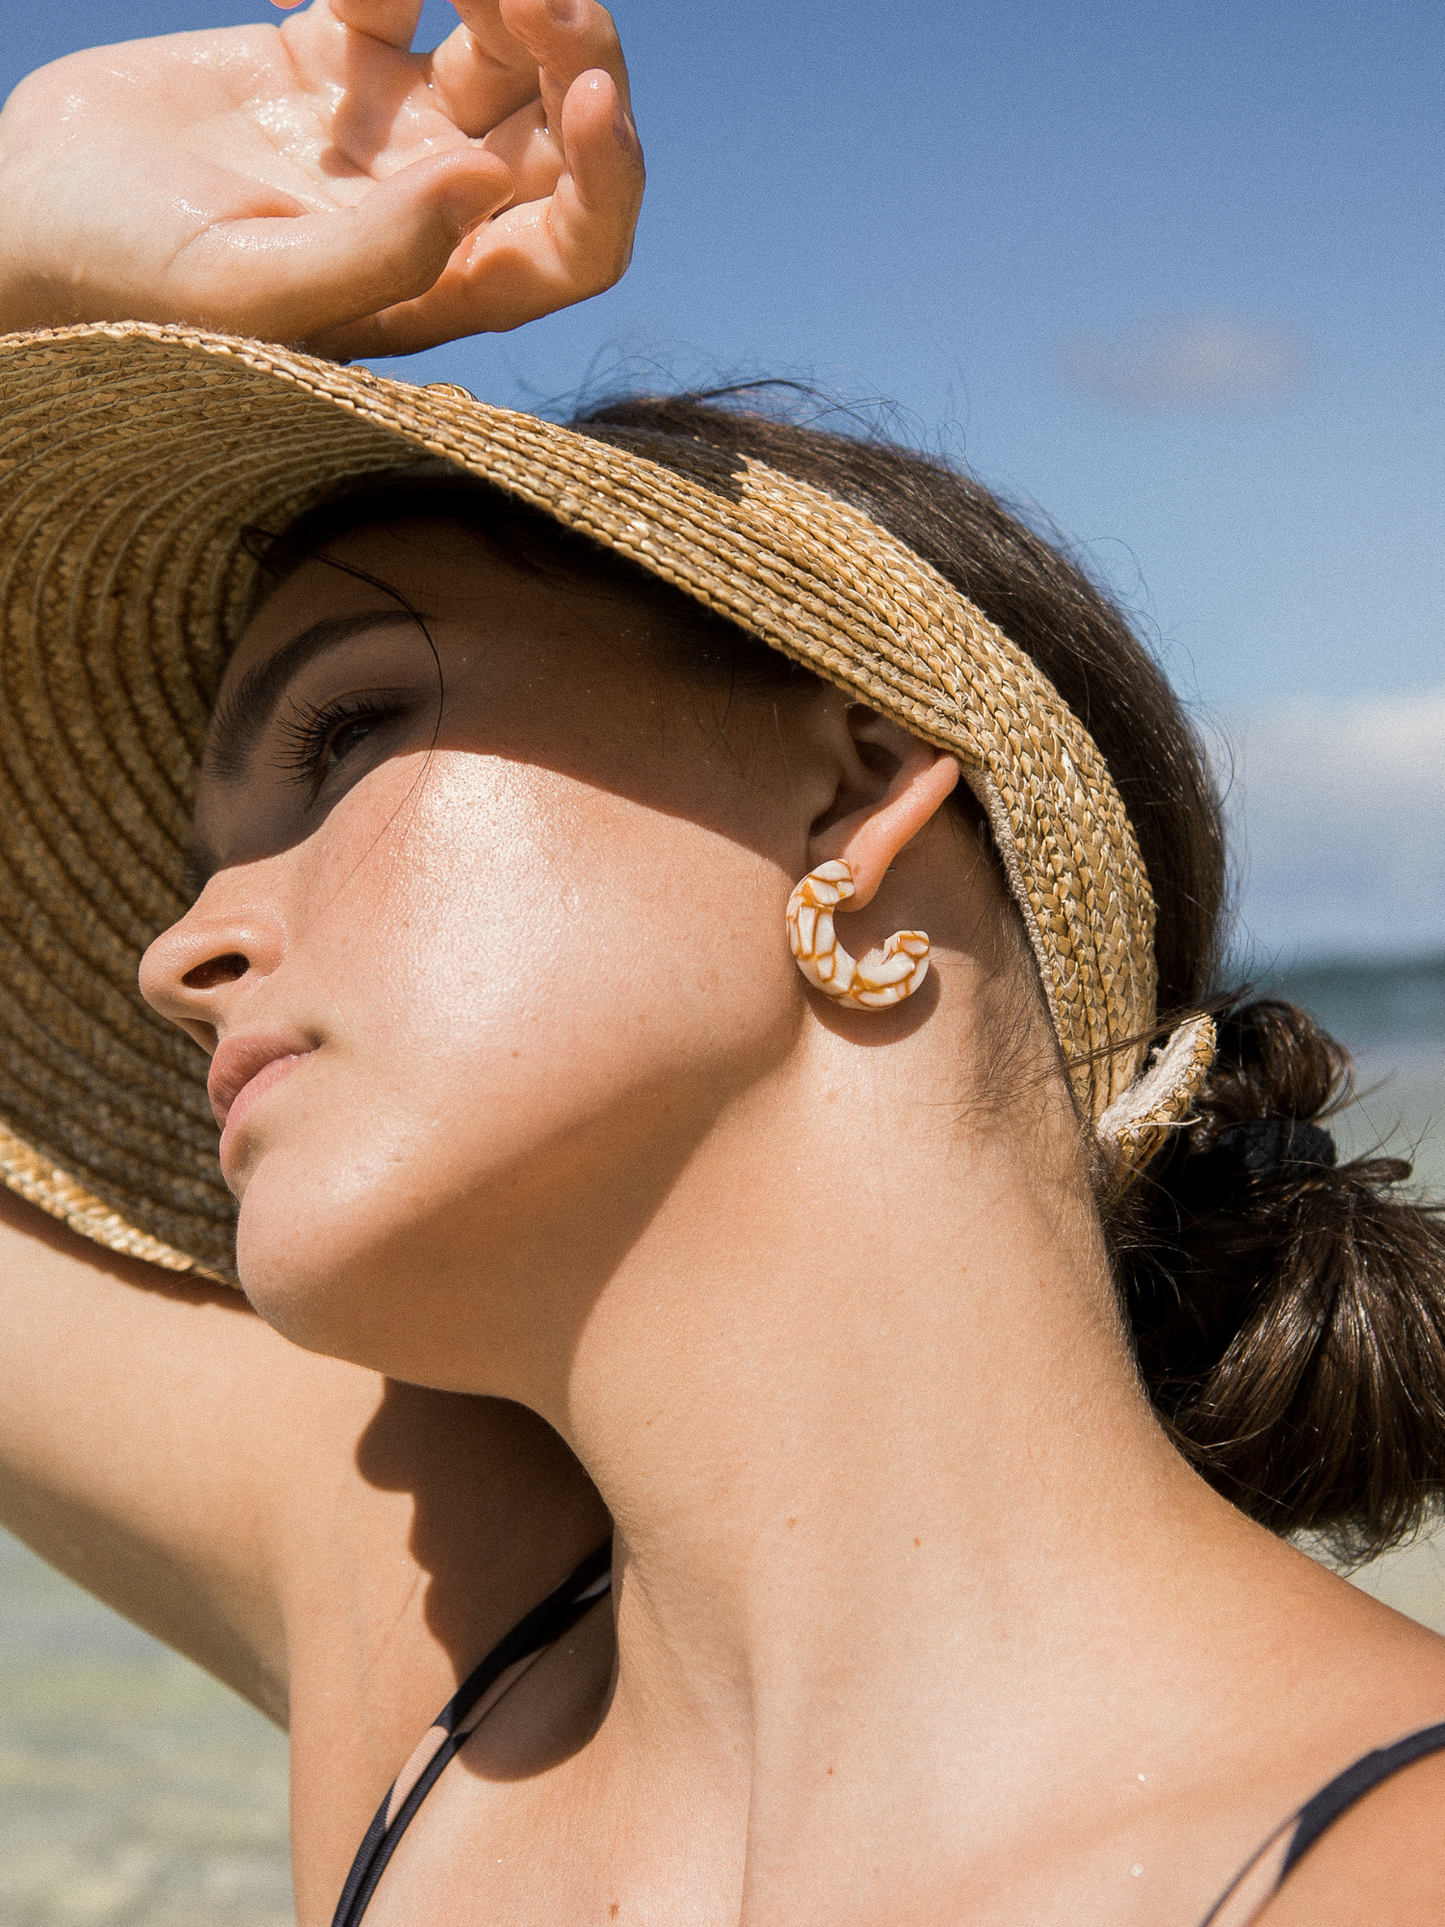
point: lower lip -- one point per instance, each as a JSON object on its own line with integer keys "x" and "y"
{"x": 266, "y": 1079}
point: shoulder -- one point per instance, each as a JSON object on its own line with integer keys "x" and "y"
{"x": 1382, "y": 1862}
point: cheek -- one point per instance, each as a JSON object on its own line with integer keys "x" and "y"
{"x": 514, "y": 973}
{"x": 517, "y": 913}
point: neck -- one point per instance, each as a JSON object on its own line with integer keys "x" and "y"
{"x": 894, "y": 1394}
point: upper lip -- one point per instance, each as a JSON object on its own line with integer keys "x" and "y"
{"x": 240, "y": 1058}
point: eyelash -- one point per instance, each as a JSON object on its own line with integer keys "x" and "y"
{"x": 312, "y": 729}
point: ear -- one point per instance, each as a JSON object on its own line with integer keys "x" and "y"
{"x": 892, "y": 787}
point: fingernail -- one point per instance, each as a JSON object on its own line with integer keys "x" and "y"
{"x": 624, "y": 132}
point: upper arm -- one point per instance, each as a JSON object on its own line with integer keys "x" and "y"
{"x": 339, "y": 1548}
{"x": 1382, "y": 1864}
{"x": 145, "y": 1422}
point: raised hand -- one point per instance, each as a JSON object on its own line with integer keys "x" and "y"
{"x": 319, "y": 183}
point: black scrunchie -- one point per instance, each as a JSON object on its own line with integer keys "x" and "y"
{"x": 1263, "y": 1147}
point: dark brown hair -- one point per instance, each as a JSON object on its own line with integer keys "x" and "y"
{"x": 1289, "y": 1322}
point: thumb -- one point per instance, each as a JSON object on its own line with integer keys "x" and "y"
{"x": 289, "y": 277}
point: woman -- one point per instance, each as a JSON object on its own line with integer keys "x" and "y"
{"x": 939, "y": 1364}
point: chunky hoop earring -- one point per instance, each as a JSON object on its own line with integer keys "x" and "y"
{"x": 883, "y": 978}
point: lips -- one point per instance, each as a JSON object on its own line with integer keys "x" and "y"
{"x": 247, "y": 1065}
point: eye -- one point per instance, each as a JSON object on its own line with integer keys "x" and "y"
{"x": 319, "y": 737}
{"x": 349, "y": 736}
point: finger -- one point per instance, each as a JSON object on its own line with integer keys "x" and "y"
{"x": 530, "y": 149}
{"x": 294, "y": 279}
{"x": 392, "y": 21}
{"x": 481, "y": 76}
{"x": 568, "y": 38}
{"x": 594, "y": 207}
{"x": 533, "y": 259}
{"x": 491, "y": 65}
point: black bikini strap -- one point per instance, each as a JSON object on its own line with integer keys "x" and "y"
{"x": 1262, "y": 1876}
{"x": 1354, "y": 1783}
{"x": 561, "y": 1609}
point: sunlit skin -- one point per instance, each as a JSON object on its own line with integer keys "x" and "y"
{"x": 817, "y": 1300}
{"x": 580, "y": 1206}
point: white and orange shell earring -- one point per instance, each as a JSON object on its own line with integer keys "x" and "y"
{"x": 882, "y": 978}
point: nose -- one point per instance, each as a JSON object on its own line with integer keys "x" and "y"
{"x": 194, "y": 971}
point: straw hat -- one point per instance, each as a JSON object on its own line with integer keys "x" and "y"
{"x": 131, "y": 457}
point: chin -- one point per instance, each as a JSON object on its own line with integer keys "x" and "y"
{"x": 307, "y": 1259}
{"x": 302, "y": 1285}
{"x": 326, "y": 1266}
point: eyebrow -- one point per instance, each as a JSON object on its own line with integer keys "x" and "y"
{"x": 244, "y": 712}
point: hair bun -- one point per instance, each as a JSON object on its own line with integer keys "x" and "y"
{"x": 1289, "y": 1310}
{"x": 1264, "y": 1144}
{"x": 1272, "y": 1060}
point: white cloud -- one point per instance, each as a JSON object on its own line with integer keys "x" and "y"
{"x": 1190, "y": 359}
{"x": 1338, "y": 816}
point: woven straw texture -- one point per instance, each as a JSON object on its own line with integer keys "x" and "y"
{"x": 132, "y": 456}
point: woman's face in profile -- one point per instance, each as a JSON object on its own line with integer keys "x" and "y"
{"x": 488, "y": 938}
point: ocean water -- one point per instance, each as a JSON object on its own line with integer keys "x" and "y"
{"x": 137, "y": 1792}
{"x": 1392, "y": 1019}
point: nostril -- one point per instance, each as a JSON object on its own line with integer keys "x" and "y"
{"x": 216, "y": 970}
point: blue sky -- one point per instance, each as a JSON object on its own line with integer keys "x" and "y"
{"x": 1174, "y": 274}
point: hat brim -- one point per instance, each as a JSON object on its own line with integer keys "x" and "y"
{"x": 133, "y": 456}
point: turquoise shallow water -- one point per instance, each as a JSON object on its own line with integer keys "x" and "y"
{"x": 1400, "y": 1108}
{"x": 136, "y": 1792}
{"x": 133, "y": 1788}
